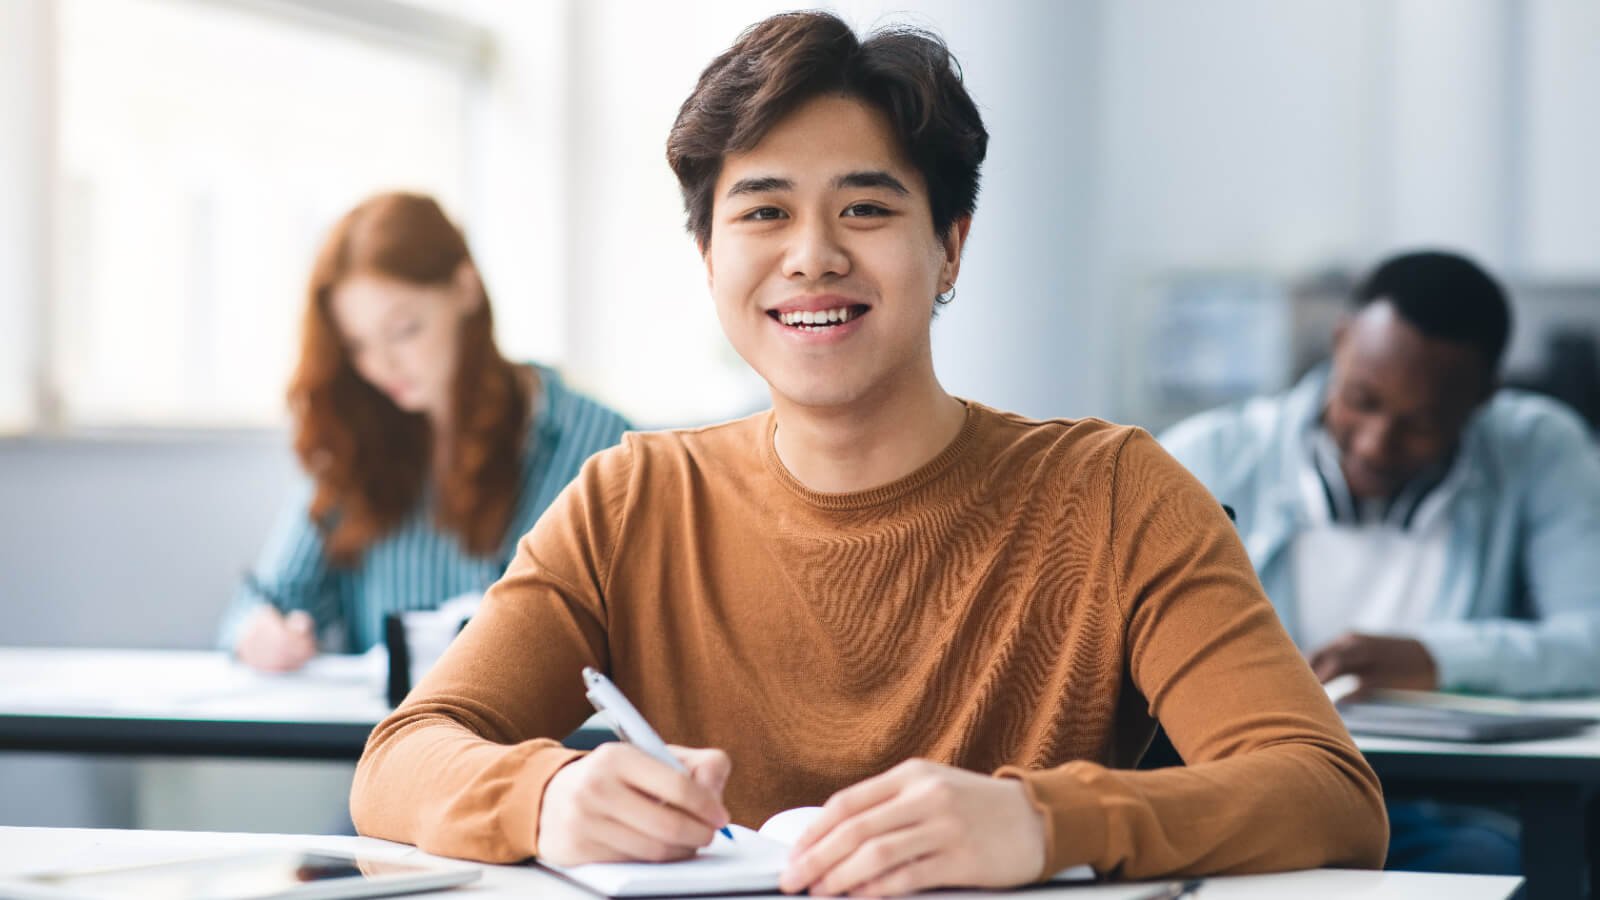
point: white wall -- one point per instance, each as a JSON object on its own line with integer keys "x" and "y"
{"x": 125, "y": 542}
{"x": 1235, "y": 134}
{"x": 26, "y": 155}
{"x": 1560, "y": 107}
{"x": 1025, "y": 281}
{"x": 518, "y": 194}
{"x": 1452, "y": 177}
{"x": 1241, "y": 136}
{"x": 132, "y": 541}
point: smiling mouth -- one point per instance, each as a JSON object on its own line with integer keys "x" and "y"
{"x": 821, "y": 319}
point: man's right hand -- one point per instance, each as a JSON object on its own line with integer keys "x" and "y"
{"x": 1377, "y": 662}
{"x": 272, "y": 642}
{"x": 619, "y": 805}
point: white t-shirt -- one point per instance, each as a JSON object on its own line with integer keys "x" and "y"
{"x": 1380, "y": 574}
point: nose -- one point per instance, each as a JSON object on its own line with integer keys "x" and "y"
{"x": 814, "y": 252}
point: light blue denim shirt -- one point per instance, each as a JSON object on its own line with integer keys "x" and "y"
{"x": 1518, "y": 611}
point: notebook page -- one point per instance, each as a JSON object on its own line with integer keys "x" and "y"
{"x": 749, "y": 863}
{"x": 786, "y": 827}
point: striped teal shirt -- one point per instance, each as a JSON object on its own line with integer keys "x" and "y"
{"x": 416, "y": 566}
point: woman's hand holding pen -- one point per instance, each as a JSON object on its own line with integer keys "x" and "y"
{"x": 918, "y": 826}
{"x": 273, "y": 642}
{"x": 617, "y": 804}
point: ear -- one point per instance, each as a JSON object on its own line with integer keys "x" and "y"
{"x": 955, "y": 240}
{"x": 467, "y": 287}
{"x": 704, "y": 246}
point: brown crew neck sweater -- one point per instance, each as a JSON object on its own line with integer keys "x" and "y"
{"x": 1027, "y": 603}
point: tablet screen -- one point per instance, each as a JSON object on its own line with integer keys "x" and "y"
{"x": 250, "y": 876}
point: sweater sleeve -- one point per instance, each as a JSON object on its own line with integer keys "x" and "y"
{"x": 1273, "y": 780}
{"x": 460, "y": 768}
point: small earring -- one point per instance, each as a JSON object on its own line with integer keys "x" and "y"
{"x": 946, "y": 297}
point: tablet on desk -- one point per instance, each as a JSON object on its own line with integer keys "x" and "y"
{"x": 255, "y": 875}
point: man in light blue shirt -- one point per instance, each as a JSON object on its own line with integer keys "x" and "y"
{"x": 1414, "y": 526}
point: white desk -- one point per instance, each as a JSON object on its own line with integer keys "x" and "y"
{"x": 32, "y": 849}
{"x": 184, "y": 703}
{"x": 190, "y": 703}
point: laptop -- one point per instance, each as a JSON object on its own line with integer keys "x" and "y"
{"x": 253, "y": 875}
{"x": 1391, "y": 718}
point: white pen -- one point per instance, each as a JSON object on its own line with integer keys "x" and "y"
{"x": 629, "y": 724}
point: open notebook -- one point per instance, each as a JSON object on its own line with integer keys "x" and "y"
{"x": 750, "y": 863}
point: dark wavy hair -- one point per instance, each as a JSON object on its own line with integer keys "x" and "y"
{"x": 781, "y": 62}
{"x": 369, "y": 458}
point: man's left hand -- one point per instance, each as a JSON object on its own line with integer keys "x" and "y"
{"x": 1377, "y": 662}
{"x": 920, "y": 825}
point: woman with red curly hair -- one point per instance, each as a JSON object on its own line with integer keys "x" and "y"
{"x": 428, "y": 453}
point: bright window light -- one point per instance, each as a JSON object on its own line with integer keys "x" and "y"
{"x": 204, "y": 150}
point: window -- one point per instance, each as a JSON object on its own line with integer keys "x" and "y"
{"x": 204, "y": 148}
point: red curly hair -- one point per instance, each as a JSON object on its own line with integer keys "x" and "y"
{"x": 369, "y": 458}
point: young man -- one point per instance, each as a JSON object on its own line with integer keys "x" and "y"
{"x": 956, "y": 626}
{"x": 1415, "y": 527}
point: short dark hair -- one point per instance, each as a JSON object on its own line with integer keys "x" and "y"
{"x": 1446, "y": 296}
{"x": 781, "y": 62}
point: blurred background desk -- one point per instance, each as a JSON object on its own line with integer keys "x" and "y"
{"x": 183, "y": 739}
{"x": 183, "y": 703}
{"x": 1550, "y": 785}
{"x": 192, "y": 703}
{"x": 34, "y": 849}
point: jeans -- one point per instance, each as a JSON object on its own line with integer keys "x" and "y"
{"x": 1433, "y": 837}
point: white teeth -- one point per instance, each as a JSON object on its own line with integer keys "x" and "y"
{"x": 821, "y": 317}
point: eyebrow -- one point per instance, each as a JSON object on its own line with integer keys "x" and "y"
{"x": 876, "y": 178}
{"x": 764, "y": 185}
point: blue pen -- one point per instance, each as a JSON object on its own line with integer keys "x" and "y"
{"x": 629, "y": 725}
